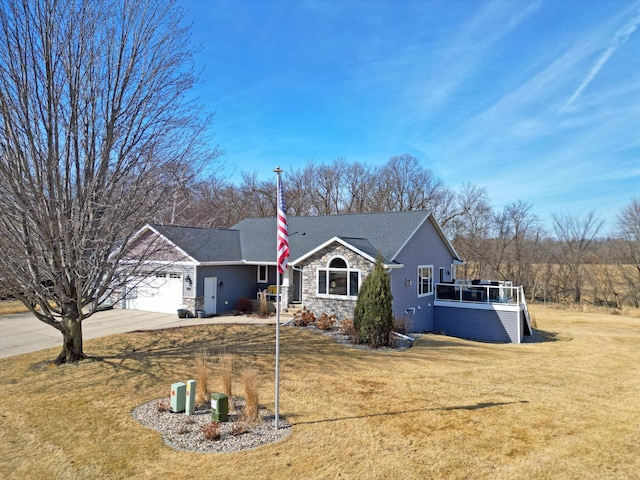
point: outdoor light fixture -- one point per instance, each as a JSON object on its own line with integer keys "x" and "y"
{"x": 189, "y": 281}
{"x": 407, "y": 282}
{"x": 220, "y": 283}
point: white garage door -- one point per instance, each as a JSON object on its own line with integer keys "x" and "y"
{"x": 160, "y": 292}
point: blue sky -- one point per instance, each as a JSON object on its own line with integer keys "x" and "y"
{"x": 534, "y": 100}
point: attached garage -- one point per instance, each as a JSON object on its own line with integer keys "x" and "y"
{"x": 160, "y": 292}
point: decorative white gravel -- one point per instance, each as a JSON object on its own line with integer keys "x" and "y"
{"x": 183, "y": 432}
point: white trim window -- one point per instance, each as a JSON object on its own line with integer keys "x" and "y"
{"x": 263, "y": 274}
{"x": 338, "y": 279}
{"x": 425, "y": 280}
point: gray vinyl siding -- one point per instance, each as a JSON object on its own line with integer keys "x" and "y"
{"x": 477, "y": 324}
{"x": 424, "y": 248}
{"x": 237, "y": 281}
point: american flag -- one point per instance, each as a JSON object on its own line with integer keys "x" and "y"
{"x": 283, "y": 241}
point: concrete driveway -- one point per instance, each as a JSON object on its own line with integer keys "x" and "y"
{"x": 23, "y": 333}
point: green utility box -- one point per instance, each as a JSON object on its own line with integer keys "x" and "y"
{"x": 219, "y": 407}
{"x": 178, "y": 397}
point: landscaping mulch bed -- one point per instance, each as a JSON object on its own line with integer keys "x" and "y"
{"x": 399, "y": 343}
{"x": 184, "y": 432}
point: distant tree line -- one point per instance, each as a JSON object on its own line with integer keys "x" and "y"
{"x": 571, "y": 263}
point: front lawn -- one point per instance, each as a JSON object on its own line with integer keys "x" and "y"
{"x": 445, "y": 408}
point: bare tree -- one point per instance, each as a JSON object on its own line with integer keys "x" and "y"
{"x": 328, "y": 192}
{"x": 94, "y": 129}
{"x": 627, "y": 232}
{"x": 211, "y": 202}
{"x": 359, "y": 182}
{"x": 522, "y": 262}
{"x": 257, "y": 196}
{"x": 471, "y": 230}
{"x": 298, "y": 190}
{"x": 456, "y": 208}
{"x": 575, "y": 235}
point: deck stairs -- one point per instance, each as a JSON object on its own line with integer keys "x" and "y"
{"x": 527, "y": 316}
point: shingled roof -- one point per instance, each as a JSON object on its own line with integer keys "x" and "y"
{"x": 253, "y": 240}
{"x": 385, "y": 233}
{"x": 204, "y": 244}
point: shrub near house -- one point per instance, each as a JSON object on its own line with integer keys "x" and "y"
{"x": 373, "y": 315}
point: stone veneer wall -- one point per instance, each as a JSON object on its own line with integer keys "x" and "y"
{"x": 193, "y": 304}
{"x": 341, "y": 308}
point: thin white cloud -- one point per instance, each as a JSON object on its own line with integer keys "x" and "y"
{"x": 620, "y": 38}
{"x": 467, "y": 48}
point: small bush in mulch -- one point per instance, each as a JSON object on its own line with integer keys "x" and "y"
{"x": 304, "y": 318}
{"x": 211, "y": 430}
{"x": 163, "y": 406}
{"x": 326, "y": 322}
{"x": 348, "y": 329}
{"x": 400, "y": 325}
{"x": 244, "y": 305}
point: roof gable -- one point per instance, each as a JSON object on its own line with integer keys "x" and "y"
{"x": 361, "y": 246}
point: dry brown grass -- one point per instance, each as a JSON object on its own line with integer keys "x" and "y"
{"x": 446, "y": 408}
{"x": 586, "y": 307}
{"x": 8, "y": 307}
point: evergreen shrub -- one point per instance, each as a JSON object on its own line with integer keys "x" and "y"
{"x": 373, "y": 315}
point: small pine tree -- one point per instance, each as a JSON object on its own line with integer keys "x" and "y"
{"x": 373, "y": 315}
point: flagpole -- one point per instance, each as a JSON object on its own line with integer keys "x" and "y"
{"x": 278, "y": 171}
{"x": 277, "y": 419}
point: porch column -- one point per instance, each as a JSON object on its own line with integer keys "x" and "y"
{"x": 285, "y": 287}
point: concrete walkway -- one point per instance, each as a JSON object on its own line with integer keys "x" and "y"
{"x": 23, "y": 333}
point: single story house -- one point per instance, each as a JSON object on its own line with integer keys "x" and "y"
{"x": 210, "y": 270}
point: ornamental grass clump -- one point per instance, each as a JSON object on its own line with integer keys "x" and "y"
{"x": 262, "y": 297}
{"x": 226, "y": 373}
{"x": 373, "y": 314}
{"x": 251, "y": 412}
{"x": 203, "y": 396}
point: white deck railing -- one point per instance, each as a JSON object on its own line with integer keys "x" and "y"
{"x": 480, "y": 293}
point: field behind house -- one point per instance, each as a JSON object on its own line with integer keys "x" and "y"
{"x": 565, "y": 408}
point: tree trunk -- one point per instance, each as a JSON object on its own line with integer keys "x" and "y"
{"x": 71, "y": 342}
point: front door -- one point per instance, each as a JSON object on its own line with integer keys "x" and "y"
{"x": 210, "y": 293}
